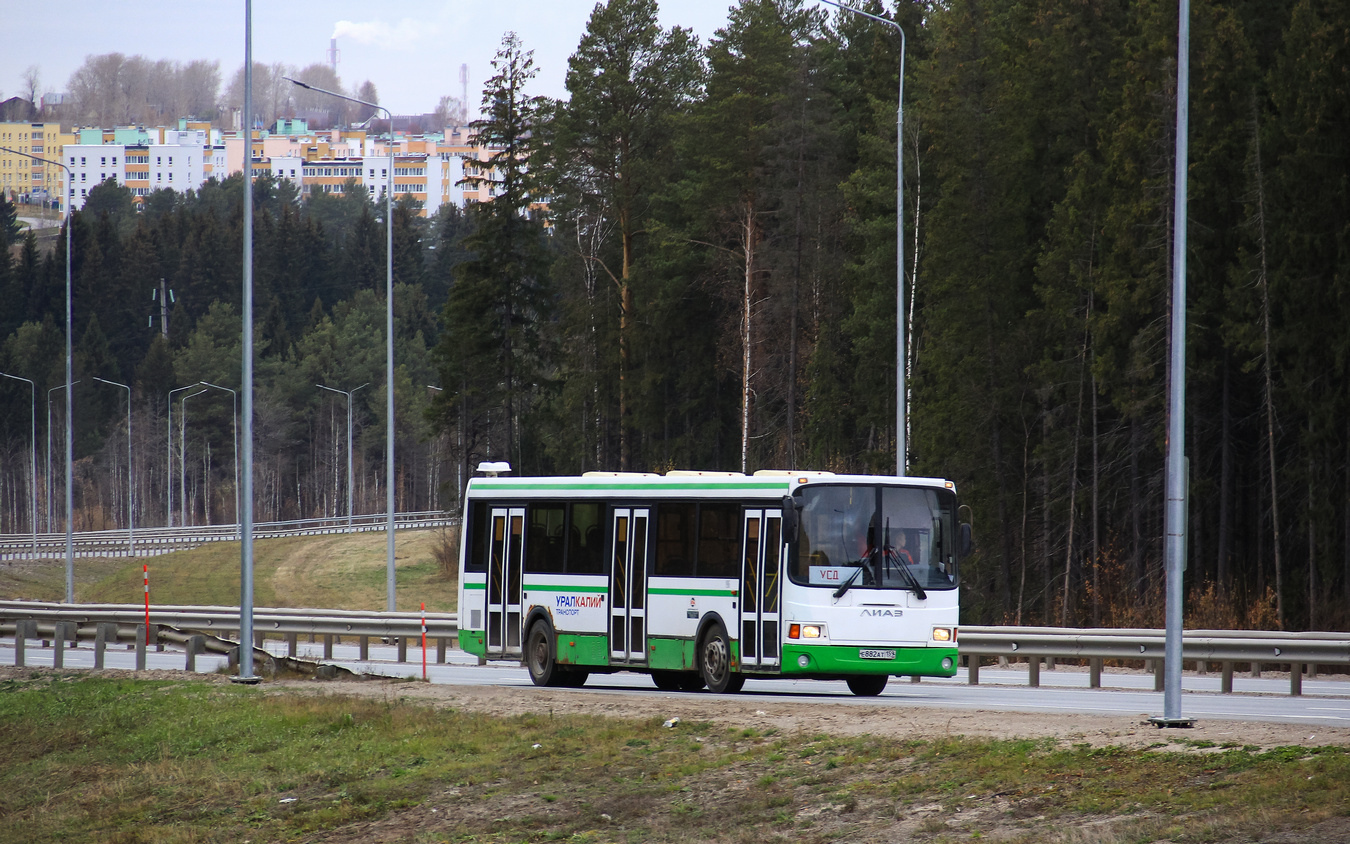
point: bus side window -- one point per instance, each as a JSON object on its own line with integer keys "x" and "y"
{"x": 585, "y": 539}
{"x": 719, "y": 540}
{"x": 543, "y": 539}
{"x": 480, "y": 514}
{"x": 674, "y": 540}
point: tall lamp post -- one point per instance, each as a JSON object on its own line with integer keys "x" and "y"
{"x": 901, "y": 453}
{"x": 70, "y": 413}
{"x": 131, "y": 487}
{"x": 388, "y": 333}
{"x": 49, "y": 452}
{"x": 1178, "y": 469}
{"x": 168, "y": 460}
{"x": 348, "y": 394}
{"x": 246, "y": 674}
{"x": 32, "y": 455}
{"x": 235, "y": 419}
{"x": 182, "y": 455}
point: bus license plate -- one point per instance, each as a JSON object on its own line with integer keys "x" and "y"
{"x": 872, "y": 653}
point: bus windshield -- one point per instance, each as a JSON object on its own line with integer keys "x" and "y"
{"x": 875, "y": 537}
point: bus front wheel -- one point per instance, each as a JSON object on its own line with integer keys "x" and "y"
{"x": 539, "y": 659}
{"x": 714, "y": 662}
{"x": 868, "y": 685}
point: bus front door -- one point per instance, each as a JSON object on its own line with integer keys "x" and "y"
{"x": 762, "y": 542}
{"x": 628, "y": 585}
{"x": 503, "y": 587}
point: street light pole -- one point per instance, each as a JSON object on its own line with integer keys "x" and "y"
{"x": 1178, "y": 470}
{"x": 235, "y": 419}
{"x": 131, "y": 487}
{"x": 70, "y": 412}
{"x": 901, "y": 437}
{"x": 182, "y": 455}
{"x": 168, "y": 459}
{"x": 32, "y": 455}
{"x": 348, "y": 394}
{"x": 50, "y": 504}
{"x": 388, "y": 334}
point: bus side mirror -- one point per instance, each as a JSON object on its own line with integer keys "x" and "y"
{"x": 967, "y": 542}
{"x": 789, "y": 518}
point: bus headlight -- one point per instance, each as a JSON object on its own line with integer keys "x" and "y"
{"x": 806, "y": 631}
{"x": 942, "y": 634}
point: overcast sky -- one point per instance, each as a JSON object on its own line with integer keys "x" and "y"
{"x": 411, "y": 50}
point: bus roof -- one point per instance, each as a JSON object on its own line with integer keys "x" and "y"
{"x": 678, "y": 484}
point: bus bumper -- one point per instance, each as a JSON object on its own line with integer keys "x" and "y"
{"x": 845, "y": 660}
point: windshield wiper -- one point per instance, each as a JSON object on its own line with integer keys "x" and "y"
{"x": 894, "y": 558}
{"x": 848, "y": 584}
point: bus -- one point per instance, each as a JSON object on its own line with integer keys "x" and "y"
{"x": 707, "y": 579}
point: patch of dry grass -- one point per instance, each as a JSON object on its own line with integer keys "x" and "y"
{"x": 92, "y": 758}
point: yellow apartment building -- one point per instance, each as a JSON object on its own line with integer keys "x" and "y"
{"x": 21, "y": 178}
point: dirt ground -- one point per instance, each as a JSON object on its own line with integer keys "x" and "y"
{"x": 792, "y": 717}
{"x": 853, "y": 719}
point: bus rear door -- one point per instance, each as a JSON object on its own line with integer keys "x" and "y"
{"x": 628, "y": 585}
{"x": 503, "y": 586}
{"x": 762, "y": 543}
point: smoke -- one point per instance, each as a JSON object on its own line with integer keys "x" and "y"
{"x": 382, "y": 34}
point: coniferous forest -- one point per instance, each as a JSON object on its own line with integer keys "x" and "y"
{"x": 690, "y": 263}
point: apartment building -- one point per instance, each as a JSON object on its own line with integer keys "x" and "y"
{"x": 430, "y": 169}
{"x": 143, "y": 160}
{"x": 21, "y": 178}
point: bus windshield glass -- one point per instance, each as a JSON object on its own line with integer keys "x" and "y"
{"x": 876, "y": 537}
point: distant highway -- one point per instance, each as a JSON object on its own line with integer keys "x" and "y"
{"x": 153, "y": 541}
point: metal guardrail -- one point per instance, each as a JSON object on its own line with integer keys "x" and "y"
{"x": 198, "y": 629}
{"x": 153, "y": 541}
{"x": 217, "y": 620}
{"x": 1299, "y": 651}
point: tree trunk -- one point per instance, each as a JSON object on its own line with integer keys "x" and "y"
{"x": 1223, "y": 572}
{"x": 749, "y": 243}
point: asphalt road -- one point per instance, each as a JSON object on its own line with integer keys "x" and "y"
{"x": 1325, "y": 702}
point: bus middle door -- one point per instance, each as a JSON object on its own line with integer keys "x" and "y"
{"x": 503, "y": 586}
{"x": 762, "y": 542}
{"x": 628, "y": 585}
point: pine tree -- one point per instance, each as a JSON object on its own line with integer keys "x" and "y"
{"x": 489, "y": 353}
{"x": 610, "y": 146}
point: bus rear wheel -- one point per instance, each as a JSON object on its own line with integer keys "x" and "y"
{"x": 868, "y": 685}
{"x": 539, "y": 659}
{"x": 714, "y": 662}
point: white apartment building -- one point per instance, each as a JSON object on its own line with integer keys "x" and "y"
{"x": 428, "y": 169}
{"x": 184, "y": 161}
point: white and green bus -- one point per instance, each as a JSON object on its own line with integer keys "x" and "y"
{"x": 710, "y": 579}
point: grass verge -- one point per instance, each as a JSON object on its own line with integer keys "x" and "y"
{"x": 127, "y": 760}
